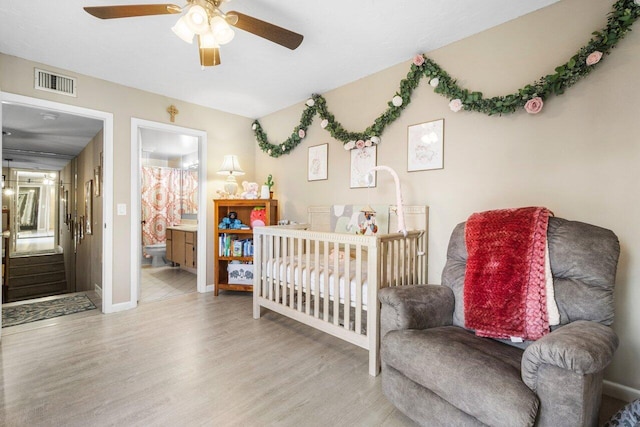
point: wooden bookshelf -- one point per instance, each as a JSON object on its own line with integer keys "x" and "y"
{"x": 243, "y": 208}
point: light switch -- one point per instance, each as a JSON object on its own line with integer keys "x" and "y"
{"x": 122, "y": 208}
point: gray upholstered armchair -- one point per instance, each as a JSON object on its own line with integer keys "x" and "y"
{"x": 439, "y": 373}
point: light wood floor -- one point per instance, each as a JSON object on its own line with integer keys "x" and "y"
{"x": 191, "y": 360}
{"x": 165, "y": 282}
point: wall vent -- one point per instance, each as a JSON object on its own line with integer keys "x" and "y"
{"x": 56, "y": 83}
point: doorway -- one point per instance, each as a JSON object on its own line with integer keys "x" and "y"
{"x": 34, "y": 215}
{"x": 168, "y": 210}
{"x": 35, "y": 229}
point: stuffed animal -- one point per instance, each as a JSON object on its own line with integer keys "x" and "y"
{"x": 250, "y": 190}
{"x": 258, "y": 217}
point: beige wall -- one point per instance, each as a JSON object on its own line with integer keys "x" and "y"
{"x": 89, "y": 251}
{"x": 579, "y": 157}
{"x": 66, "y": 242}
{"x": 226, "y": 133}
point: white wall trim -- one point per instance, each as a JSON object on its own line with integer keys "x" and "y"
{"x": 97, "y": 289}
{"x": 136, "y": 156}
{"x": 620, "y": 391}
{"x": 123, "y": 306}
{"x": 107, "y": 199}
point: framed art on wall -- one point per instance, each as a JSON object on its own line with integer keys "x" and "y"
{"x": 97, "y": 177}
{"x": 425, "y": 145}
{"x": 88, "y": 206}
{"x": 362, "y": 160}
{"x": 317, "y": 163}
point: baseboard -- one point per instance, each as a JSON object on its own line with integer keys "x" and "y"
{"x": 97, "y": 289}
{"x": 121, "y": 307}
{"x": 620, "y": 391}
{"x": 209, "y": 288}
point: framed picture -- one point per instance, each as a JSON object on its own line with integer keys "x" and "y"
{"x": 362, "y": 160}
{"x": 317, "y": 163}
{"x": 80, "y": 229}
{"x": 88, "y": 206}
{"x": 425, "y": 144}
{"x": 97, "y": 172}
{"x": 65, "y": 205}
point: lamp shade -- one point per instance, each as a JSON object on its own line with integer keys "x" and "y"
{"x": 197, "y": 19}
{"x": 223, "y": 32}
{"x": 181, "y": 29}
{"x": 230, "y": 166}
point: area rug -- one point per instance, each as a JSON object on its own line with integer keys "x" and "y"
{"x": 25, "y": 313}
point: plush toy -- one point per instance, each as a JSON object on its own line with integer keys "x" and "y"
{"x": 250, "y": 190}
{"x": 226, "y": 223}
{"x": 258, "y": 217}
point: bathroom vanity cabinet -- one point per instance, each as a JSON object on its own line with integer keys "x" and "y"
{"x": 182, "y": 246}
{"x": 226, "y": 265}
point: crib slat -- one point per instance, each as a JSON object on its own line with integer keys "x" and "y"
{"x": 358, "y": 305}
{"x": 347, "y": 286}
{"x": 316, "y": 276}
{"x": 336, "y": 284}
{"x": 324, "y": 286}
{"x": 306, "y": 276}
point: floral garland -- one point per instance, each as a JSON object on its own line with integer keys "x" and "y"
{"x": 531, "y": 97}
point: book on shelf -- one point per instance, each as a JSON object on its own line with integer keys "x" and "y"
{"x": 232, "y": 245}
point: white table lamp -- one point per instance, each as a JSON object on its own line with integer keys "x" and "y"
{"x": 231, "y": 167}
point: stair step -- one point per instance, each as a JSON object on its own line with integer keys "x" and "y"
{"x": 36, "y": 291}
{"x": 37, "y": 260}
{"x": 17, "y": 271}
{"x": 36, "y": 278}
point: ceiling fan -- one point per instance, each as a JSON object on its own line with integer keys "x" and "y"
{"x": 204, "y": 19}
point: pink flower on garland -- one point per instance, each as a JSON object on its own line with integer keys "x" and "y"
{"x": 594, "y": 57}
{"x": 368, "y": 143}
{"x": 301, "y": 133}
{"x": 455, "y": 105}
{"x": 418, "y": 60}
{"x": 324, "y": 123}
{"x": 360, "y": 144}
{"x": 534, "y": 105}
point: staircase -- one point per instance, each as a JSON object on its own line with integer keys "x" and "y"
{"x": 36, "y": 276}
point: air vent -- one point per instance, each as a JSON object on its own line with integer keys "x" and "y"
{"x": 57, "y": 83}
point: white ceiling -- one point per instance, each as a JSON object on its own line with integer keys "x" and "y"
{"x": 343, "y": 41}
{"x": 34, "y": 138}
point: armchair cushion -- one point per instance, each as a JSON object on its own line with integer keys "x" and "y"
{"x": 415, "y": 307}
{"x": 464, "y": 370}
{"x": 582, "y": 347}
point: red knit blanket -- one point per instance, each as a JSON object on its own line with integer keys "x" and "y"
{"x": 504, "y": 283}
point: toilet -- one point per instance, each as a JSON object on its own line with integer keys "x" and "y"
{"x": 157, "y": 252}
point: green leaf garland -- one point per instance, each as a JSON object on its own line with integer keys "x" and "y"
{"x": 530, "y": 98}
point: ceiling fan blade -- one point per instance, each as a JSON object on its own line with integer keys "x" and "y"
{"x": 126, "y": 11}
{"x": 268, "y": 31}
{"x": 209, "y": 56}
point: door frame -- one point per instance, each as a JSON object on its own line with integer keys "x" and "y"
{"x": 136, "y": 205}
{"x": 107, "y": 199}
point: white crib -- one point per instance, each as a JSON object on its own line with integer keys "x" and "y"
{"x": 329, "y": 281}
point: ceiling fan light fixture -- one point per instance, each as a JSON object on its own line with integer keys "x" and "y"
{"x": 222, "y": 31}
{"x": 197, "y": 19}
{"x": 208, "y": 40}
{"x": 181, "y": 29}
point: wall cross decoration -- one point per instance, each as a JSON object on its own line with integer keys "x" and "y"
{"x": 172, "y": 110}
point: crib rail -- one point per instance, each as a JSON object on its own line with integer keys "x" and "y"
{"x": 330, "y": 280}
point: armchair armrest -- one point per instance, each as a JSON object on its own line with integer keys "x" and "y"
{"x": 415, "y": 307}
{"x": 582, "y": 346}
